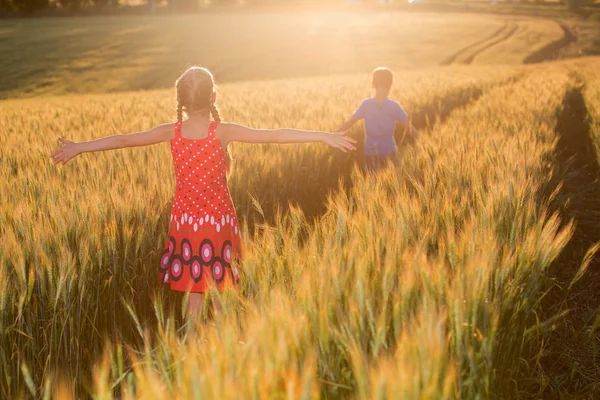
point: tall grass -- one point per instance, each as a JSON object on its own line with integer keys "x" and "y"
{"x": 421, "y": 282}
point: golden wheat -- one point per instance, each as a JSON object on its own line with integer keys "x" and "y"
{"x": 421, "y": 282}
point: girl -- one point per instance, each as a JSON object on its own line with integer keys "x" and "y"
{"x": 204, "y": 244}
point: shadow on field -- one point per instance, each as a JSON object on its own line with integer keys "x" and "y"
{"x": 552, "y": 50}
{"x": 438, "y": 110}
{"x": 567, "y": 363}
{"x": 336, "y": 173}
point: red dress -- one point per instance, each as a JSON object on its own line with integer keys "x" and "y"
{"x": 204, "y": 243}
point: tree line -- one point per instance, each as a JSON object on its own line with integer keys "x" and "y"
{"x": 113, "y": 5}
{"x": 31, "y": 6}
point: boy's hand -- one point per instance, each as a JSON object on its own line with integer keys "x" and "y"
{"x": 415, "y": 134}
{"x": 340, "y": 141}
{"x": 66, "y": 152}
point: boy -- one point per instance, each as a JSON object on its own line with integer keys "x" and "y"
{"x": 381, "y": 115}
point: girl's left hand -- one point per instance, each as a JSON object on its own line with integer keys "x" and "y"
{"x": 340, "y": 141}
{"x": 66, "y": 152}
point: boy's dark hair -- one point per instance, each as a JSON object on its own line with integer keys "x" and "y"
{"x": 383, "y": 77}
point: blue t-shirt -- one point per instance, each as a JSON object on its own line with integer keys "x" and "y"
{"x": 380, "y": 120}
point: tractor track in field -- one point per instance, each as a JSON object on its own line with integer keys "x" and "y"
{"x": 504, "y": 37}
{"x": 454, "y": 56}
{"x": 552, "y": 50}
{"x": 549, "y": 52}
{"x": 473, "y": 50}
{"x": 567, "y": 363}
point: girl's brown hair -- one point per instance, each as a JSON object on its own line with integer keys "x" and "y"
{"x": 195, "y": 93}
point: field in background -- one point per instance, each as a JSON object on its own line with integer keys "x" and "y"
{"x": 99, "y": 54}
{"x": 456, "y": 274}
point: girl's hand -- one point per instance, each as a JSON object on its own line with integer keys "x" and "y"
{"x": 66, "y": 152}
{"x": 339, "y": 140}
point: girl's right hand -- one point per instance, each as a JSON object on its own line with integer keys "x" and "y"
{"x": 66, "y": 152}
{"x": 339, "y": 140}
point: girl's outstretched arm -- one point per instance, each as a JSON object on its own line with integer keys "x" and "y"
{"x": 228, "y": 132}
{"x": 71, "y": 149}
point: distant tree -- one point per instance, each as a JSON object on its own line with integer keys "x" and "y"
{"x": 7, "y": 5}
{"x": 233, "y": 2}
{"x": 74, "y": 5}
{"x": 30, "y": 6}
{"x": 184, "y": 5}
{"x": 112, "y": 4}
{"x": 105, "y": 3}
{"x": 574, "y": 5}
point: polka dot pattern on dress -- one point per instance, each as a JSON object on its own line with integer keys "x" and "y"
{"x": 204, "y": 244}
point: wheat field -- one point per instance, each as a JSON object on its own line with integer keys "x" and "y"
{"x": 100, "y": 54}
{"x": 432, "y": 280}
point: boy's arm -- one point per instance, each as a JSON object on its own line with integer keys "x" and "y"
{"x": 411, "y": 131}
{"x": 357, "y": 116}
{"x": 229, "y": 132}
{"x": 71, "y": 149}
{"x": 348, "y": 124}
{"x": 401, "y": 117}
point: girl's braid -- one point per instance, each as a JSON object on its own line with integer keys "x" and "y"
{"x": 214, "y": 111}
{"x": 216, "y": 115}
{"x": 179, "y": 110}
